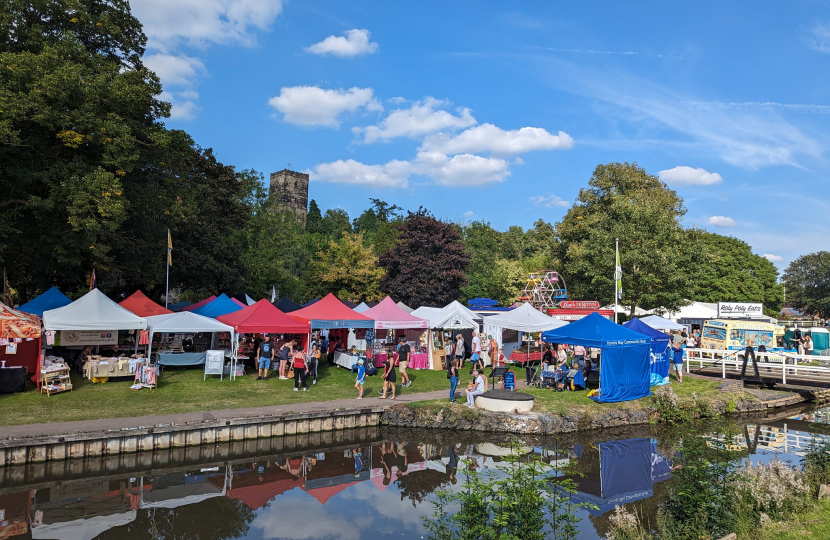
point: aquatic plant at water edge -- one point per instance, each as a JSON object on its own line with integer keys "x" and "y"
{"x": 775, "y": 488}
{"x": 816, "y": 464}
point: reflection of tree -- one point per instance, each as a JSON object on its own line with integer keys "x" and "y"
{"x": 218, "y": 518}
{"x": 417, "y": 485}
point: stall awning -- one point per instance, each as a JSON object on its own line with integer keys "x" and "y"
{"x": 139, "y": 304}
{"x": 286, "y": 305}
{"x": 329, "y": 312}
{"x": 51, "y": 299}
{"x": 185, "y": 323}
{"x": 222, "y": 305}
{"x": 93, "y": 311}
{"x": 17, "y": 324}
{"x": 200, "y": 303}
{"x": 659, "y": 323}
{"x": 524, "y": 318}
{"x": 263, "y": 318}
{"x": 445, "y": 318}
{"x": 387, "y": 315}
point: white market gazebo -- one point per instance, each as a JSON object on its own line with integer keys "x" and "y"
{"x": 92, "y": 311}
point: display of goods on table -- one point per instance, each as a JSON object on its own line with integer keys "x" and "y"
{"x": 54, "y": 376}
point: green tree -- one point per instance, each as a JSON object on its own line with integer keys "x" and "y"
{"x": 429, "y": 263}
{"x": 482, "y": 243}
{"x": 335, "y": 222}
{"x": 314, "y": 218}
{"x": 727, "y": 270}
{"x": 349, "y": 269}
{"x": 626, "y": 203}
{"x": 807, "y": 282}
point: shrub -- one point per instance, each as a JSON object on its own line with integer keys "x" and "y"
{"x": 816, "y": 464}
{"x": 667, "y": 404}
{"x": 776, "y": 488}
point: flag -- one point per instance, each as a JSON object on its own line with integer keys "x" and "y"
{"x": 169, "y": 249}
{"x": 93, "y": 282}
{"x": 273, "y": 294}
{"x": 618, "y": 274}
{"x": 8, "y": 292}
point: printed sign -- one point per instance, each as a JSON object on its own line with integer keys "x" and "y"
{"x": 579, "y": 304}
{"x": 214, "y": 362}
{"x": 11, "y": 348}
{"x": 740, "y": 310}
{"x": 88, "y": 337}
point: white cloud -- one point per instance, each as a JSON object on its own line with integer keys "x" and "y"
{"x": 721, "y": 221}
{"x": 549, "y": 201}
{"x": 489, "y": 138}
{"x": 819, "y": 38}
{"x": 469, "y": 214}
{"x": 391, "y": 175}
{"x": 772, "y": 258}
{"x": 183, "y": 105}
{"x": 398, "y": 100}
{"x": 315, "y": 106}
{"x": 172, "y": 69}
{"x": 354, "y": 43}
{"x": 461, "y": 170}
{"x": 687, "y": 176}
{"x": 168, "y": 25}
{"x": 421, "y": 118}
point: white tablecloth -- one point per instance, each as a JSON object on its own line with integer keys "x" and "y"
{"x": 344, "y": 359}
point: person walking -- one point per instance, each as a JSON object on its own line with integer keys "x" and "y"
{"x": 361, "y": 378}
{"x": 286, "y": 353}
{"x": 478, "y": 389}
{"x": 313, "y": 361}
{"x": 478, "y": 363}
{"x": 264, "y": 355}
{"x": 452, "y": 375}
{"x": 300, "y": 369}
{"x": 459, "y": 350}
{"x": 389, "y": 379}
{"x": 404, "y": 354}
{"x": 677, "y": 356}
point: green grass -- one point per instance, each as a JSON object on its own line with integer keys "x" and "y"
{"x": 814, "y": 523}
{"x": 181, "y": 391}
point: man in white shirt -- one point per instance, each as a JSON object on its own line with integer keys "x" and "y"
{"x": 477, "y": 390}
{"x": 478, "y": 363}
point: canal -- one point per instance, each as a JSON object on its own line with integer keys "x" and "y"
{"x": 371, "y": 483}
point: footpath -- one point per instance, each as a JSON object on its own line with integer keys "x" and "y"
{"x": 171, "y": 420}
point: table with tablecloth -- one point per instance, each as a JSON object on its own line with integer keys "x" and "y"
{"x": 111, "y": 367}
{"x": 12, "y": 379}
{"x": 522, "y": 357}
{"x": 344, "y": 359}
{"x": 419, "y": 361}
{"x": 380, "y": 359}
{"x": 181, "y": 359}
{"x": 559, "y": 376}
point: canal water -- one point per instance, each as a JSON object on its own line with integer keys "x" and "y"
{"x": 367, "y": 484}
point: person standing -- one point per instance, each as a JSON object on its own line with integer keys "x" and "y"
{"x": 493, "y": 350}
{"x": 361, "y": 378}
{"x": 324, "y": 350}
{"x": 300, "y": 369}
{"x": 677, "y": 355}
{"x": 264, "y": 355}
{"x": 579, "y": 355}
{"x": 313, "y": 361}
{"x": 478, "y": 363}
{"x": 476, "y": 390}
{"x": 286, "y": 353}
{"x": 452, "y": 375}
{"x": 389, "y": 378}
{"x": 562, "y": 354}
{"x": 459, "y": 350}
{"x": 404, "y": 354}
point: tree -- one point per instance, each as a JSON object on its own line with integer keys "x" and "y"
{"x": 428, "y": 265}
{"x": 314, "y": 218}
{"x": 335, "y": 222}
{"x": 807, "y": 282}
{"x": 482, "y": 243}
{"x": 626, "y": 203}
{"x": 727, "y": 270}
{"x": 349, "y": 269}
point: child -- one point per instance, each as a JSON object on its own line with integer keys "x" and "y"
{"x": 361, "y": 378}
{"x": 502, "y": 358}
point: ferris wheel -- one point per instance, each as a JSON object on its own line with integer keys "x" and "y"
{"x": 544, "y": 290}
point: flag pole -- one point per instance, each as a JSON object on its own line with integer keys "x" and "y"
{"x": 167, "y": 264}
{"x": 616, "y": 276}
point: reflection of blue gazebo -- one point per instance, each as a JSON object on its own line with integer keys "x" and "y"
{"x": 628, "y": 470}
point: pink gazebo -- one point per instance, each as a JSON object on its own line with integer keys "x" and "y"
{"x": 389, "y": 316}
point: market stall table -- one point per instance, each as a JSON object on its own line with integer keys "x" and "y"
{"x": 522, "y": 357}
{"x": 12, "y": 379}
{"x": 418, "y": 361}
{"x": 104, "y": 368}
{"x": 345, "y": 359}
{"x": 181, "y": 359}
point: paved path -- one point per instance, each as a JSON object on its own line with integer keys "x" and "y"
{"x": 86, "y": 426}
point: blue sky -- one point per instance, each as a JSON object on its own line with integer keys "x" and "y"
{"x": 476, "y": 111}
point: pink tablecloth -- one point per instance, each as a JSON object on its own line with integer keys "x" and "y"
{"x": 418, "y": 361}
{"x": 380, "y": 359}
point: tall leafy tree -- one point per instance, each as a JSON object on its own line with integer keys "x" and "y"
{"x": 428, "y": 265}
{"x": 624, "y": 202}
{"x": 807, "y": 283}
{"x": 349, "y": 269}
{"x": 314, "y": 217}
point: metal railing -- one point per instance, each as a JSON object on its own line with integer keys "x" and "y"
{"x": 773, "y": 362}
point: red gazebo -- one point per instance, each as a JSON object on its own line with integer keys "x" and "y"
{"x": 139, "y": 304}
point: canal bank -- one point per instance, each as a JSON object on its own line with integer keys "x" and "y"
{"x": 39, "y": 443}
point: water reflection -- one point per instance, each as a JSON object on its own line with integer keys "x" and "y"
{"x": 369, "y": 485}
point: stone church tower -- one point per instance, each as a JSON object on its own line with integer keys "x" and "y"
{"x": 291, "y": 189}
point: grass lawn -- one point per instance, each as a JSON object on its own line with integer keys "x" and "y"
{"x": 812, "y": 524}
{"x": 182, "y": 390}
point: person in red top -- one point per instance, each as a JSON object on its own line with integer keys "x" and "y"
{"x": 300, "y": 369}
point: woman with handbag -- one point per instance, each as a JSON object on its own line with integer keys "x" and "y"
{"x": 300, "y": 369}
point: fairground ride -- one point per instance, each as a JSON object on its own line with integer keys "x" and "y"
{"x": 544, "y": 290}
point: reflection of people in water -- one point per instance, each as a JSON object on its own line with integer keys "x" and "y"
{"x": 452, "y": 464}
{"x": 358, "y": 461}
{"x": 387, "y": 458}
{"x": 402, "y": 459}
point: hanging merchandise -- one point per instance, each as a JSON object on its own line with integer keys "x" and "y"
{"x": 145, "y": 377}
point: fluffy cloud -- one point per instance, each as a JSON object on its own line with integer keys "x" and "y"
{"x": 687, "y": 176}
{"x": 772, "y": 258}
{"x": 489, "y": 138}
{"x": 354, "y": 43}
{"x": 421, "y": 118}
{"x": 315, "y": 106}
{"x": 391, "y": 175}
{"x": 183, "y": 104}
{"x": 461, "y": 170}
{"x": 172, "y": 69}
{"x": 168, "y": 24}
{"x": 721, "y": 221}
{"x": 549, "y": 201}
{"x": 819, "y": 38}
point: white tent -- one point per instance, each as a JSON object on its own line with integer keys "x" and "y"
{"x": 450, "y": 319}
{"x": 659, "y": 323}
{"x": 524, "y": 318}
{"x": 185, "y": 322}
{"x": 461, "y": 308}
{"x": 361, "y": 307}
{"x": 82, "y": 529}
{"x": 92, "y": 311}
{"x": 626, "y": 310}
{"x": 405, "y": 307}
{"x": 693, "y": 313}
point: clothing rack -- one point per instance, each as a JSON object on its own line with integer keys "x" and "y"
{"x": 146, "y": 376}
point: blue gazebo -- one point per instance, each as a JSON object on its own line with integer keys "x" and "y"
{"x": 660, "y": 351}
{"x": 51, "y": 299}
{"x": 625, "y": 371}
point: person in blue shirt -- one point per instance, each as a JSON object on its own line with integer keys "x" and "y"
{"x": 264, "y": 355}
{"x": 361, "y": 378}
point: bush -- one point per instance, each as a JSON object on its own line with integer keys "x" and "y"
{"x": 816, "y": 464}
{"x": 776, "y": 489}
{"x": 667, "y": 404}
